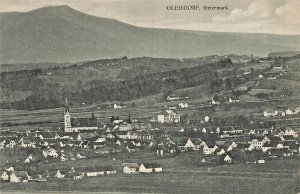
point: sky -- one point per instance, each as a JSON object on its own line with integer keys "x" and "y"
{"x": 254, "y": 16}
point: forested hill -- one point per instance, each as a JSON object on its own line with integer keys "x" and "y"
{"x": 106, "y": 80}
{"x": 62, "y": 34}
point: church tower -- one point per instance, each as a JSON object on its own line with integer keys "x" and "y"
{"x": 67, "y": 118}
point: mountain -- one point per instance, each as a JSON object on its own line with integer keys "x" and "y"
{"x": 62, "y": 34}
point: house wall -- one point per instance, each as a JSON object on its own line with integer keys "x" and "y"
{"x": 127, "y": 170}
{"x": 145, "y": 170}
{"x": 5, "y": 176}
{"x": 91, "y": 174}
{"x": 158, "y": 169}
{"x": 14, "y": 179}
{"x": 160, "y": 118}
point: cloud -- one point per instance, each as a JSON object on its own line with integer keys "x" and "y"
{"x": 289, "y": 12}
{"x": 267, "y": 16}
{"x": 256, "y": 11}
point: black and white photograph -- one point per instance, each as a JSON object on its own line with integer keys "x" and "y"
{"x": 150, "y": 96}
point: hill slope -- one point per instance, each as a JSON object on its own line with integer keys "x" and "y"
{"x": 62, "y": 34}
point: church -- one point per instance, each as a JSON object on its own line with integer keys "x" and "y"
{"x": 78, "y": 124}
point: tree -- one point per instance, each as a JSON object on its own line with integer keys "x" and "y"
{"x": 228, "y": 84}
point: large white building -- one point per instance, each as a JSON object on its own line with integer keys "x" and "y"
{"x": 168, "y": 116}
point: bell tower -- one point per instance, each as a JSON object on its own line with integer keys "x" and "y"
{"x": 67, "y": 118}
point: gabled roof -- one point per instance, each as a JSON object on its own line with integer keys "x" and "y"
{"x": 62, "y": 171}
{"x": 131, "y": 165}
{"x": 21, "y": 174}
{"x": 288, "y": 137}
{"x": 184, "y": 141}
{"x": 152, "y": 165}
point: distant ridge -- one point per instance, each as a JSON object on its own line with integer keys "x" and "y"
{"x": 284, "y": 54}
{"x": 62, "y": 34}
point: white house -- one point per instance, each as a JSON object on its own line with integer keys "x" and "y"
{"x": 30, "y": 158}
{"x": 227, "y": 159}
{"x": 208, "y": 150}
{"x": 130, "y": 168}
{"x": 150, "y": 168}
{"x": 50, "y": 152}
{"x": 183, "y": 105}
{"x": 289, "y": 131}
{"x": 291, "y": 111}
{"x": 19, "y": 176}
{"x": 60, "y": 174}
{"x": 5, "y": 176}
{"x": 168, "y": 116}
{"x": 187, "y": 144}
{"x": 172, "y": 98}
{"x": 117, "y": 106}
{"x": 270, "y": 113}
{"x": 277, "y": 67}
{"x": 206, "y": 119}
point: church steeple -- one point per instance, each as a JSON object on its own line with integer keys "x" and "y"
{"x": 67, "y": 118}
{"x": 67, "y": 108}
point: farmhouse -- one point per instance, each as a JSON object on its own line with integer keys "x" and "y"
{"x": 183, "y": 105}
{"x": 277, "y": 67}
{"x": 19, "y": 176}
{"x": 270, "y": 113}
{"x": 168, "y": 116}
{"x": 50, "y": 152}
{"x": 30, "y": 158}
{"x": 215, "y": 101}
{"x": 292, "y": 111}
{"x": 172, "y": 98}
{"x": 227, "y": 159}
{"x": 186, "y": 144}
{"x": 5, "y": 176}
{"x": 130, "y": 168}
{"x": 60, "y": 174}
{"x": 209, "y": 149}
{"x": 150, "y": 167}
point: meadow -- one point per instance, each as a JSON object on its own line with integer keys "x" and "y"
{"x": 276, "y": 176}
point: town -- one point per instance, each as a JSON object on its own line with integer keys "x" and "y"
{"x": 246, "y": 128}
{"x": 84, "y": 138}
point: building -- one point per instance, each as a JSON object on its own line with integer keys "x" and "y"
{"x": 150, "y": 167}
{"x": 270, "y": 113}
{"x": 130, "y": 168}
{"x": 186, "y": 144}
{"x": 19, "y": 176}
{"x": 78, "y": 124}
{"x": 50, "y": 152}
{"x": 172, "y": 98}
{"x": 168, "y": 116}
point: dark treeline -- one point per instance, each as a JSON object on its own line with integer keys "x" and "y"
{"x": 47, "y": 95}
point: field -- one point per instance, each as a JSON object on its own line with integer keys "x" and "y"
{"x": 180, "y": 175}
